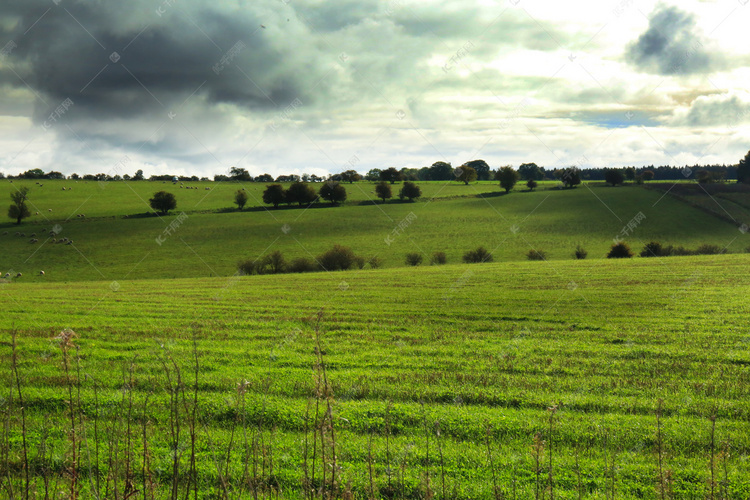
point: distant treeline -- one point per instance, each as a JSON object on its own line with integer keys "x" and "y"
{"x": 438, "y": 171}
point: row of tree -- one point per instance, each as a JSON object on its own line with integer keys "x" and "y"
{"x": 443, "y": 171}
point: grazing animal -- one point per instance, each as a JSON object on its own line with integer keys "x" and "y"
{"x": 23, "y": 235}
{"x": 41, "y": 273}
{"x": 5, "y": 233}
{"x": 7, "y": 275}
{"x": 33, "y": 240}
{"x": 33, "y": 235}
{"x": 36, "y": 213}
{"x": 70, "y": 242}
{"x": 49, "y": 210}
{"x": 19, "y": 275}
{"x": 63, "y": 188}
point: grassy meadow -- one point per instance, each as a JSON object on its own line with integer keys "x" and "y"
{"x": 113, "y": 242}
{"x": 144, "y": 369}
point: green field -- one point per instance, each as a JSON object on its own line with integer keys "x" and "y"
{"x": 479, "y": 351}
{"x": 521, "y": 379}
{"x": 113, "y": 242}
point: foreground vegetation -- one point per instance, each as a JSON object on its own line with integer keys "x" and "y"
{"x": 567, "y": 379}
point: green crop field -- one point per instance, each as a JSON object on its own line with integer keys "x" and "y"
{"x": 439, "y": 381}
{"x": 141, "y": 365}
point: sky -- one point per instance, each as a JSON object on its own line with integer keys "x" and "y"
{"x": 188, "y": 87}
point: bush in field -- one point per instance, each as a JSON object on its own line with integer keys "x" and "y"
{"x": 333, "y": 192}
{"x": 163, "y": 202}
{"x": 338, "y": 258}
{"x": 438, "y": 258}
{"x": 531, "y": 184}
{"x": 383, "y": 190}
{"x": 413, "y": 258}
{"x": 708, "y": 249}
{"x": 536, "y": 255}
{"x": 274, "y": 194}
{"x": 410, "y": 190}
{"x": 301, "y": 193}
{"x": 678, "y": 251}
{"x": 240, "y": 198}
{"x": 274, "y": 263}
{"x": 302, "y": 265}
{"x": 476, "y": 256}
{"x": 580, "y": 253}
{"x": 359, "y": 262}
{"x": 375, "y": 262}
{"x": 620, "y": 251}
{"x": 652, "y": 249}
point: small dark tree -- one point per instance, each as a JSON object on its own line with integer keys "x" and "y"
{"x": 333, "y": 192}
{"x": 413, "y": 258}
{"x": 530, "y": 171}
{"x": 570, "y": 177}
{"x": 507, "y": 177}
{"x": 410, "y": 191}
{"x": 630, "y": 173}
{"x": 301, "y": 193}
{"x": 163, "y": 202}
{"x": 531, "y": 184}
{"x": 465, "y": 174}
{"x": 580, "y": 253}
{"x": 743, "y": 170}
{"x": 620, "y": 251}
{"x": 275, "y": 263}
{"x": 482, "y": 168}
{"x": 138, "y": 175}
{"x": 350, "y": 176}
{"x": 18, "y": 209}
{"x": 390, "y": 175}
{"x": 240, "y": 199}
{"x": 441, "y": 171}
{"x": 239, "y": 174}
{"x": 273, "y": 195}
{"x": 383, "y": 190}
{"x": 648, "y": 175}
{"x": 613, "y": 176}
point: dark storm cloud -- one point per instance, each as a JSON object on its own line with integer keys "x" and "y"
{"x": 117, "y": 62}
{"x": 672, "y": 45}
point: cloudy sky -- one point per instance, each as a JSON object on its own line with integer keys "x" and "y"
{"x": 291, "y": 86}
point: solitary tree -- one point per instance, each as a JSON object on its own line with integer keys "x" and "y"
{"x": 530, "y": 171}
{"x": 240, "y": 198}
{"x": 482, "y": 168}
{"x": 273, "y": 195}
{"x": 333, "y": 192}
{"x": 350, "y": 176}
{"x": 410, "y": 190}
{"x": 466, "y": 174}
{"x": 648, "y": 175}
{"x": 18, "y": 209}
{"x": 138, "y": 175}
{"x": 441, "y": 171}
{"x": 301, "y": 193}
{"x": 390, "y": 175}
{"x": 743, "y": 170}
{"x": 507, "y": 177}
{"x": 570, "y": 177}
{"x": 383, "y": 190}
{"x": 163, "y": 202}
{"x": 531, "y": 184}
{"x": 613, "y": 176}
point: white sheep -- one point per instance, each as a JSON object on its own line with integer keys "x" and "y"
{"x": 41, "y": 273}
{"x": 49, "y": 210}
{"x": 19, "y": 275}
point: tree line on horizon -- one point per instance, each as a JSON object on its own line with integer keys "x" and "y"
{"x": 474, "y": 170}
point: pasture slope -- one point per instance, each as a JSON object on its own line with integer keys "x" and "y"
{"x": 117, "y": 238}
{"x": 503, "y": 380}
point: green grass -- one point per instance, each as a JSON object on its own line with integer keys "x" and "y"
{"x": 481, "y": 350}
{"x": 113, "y": 243}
